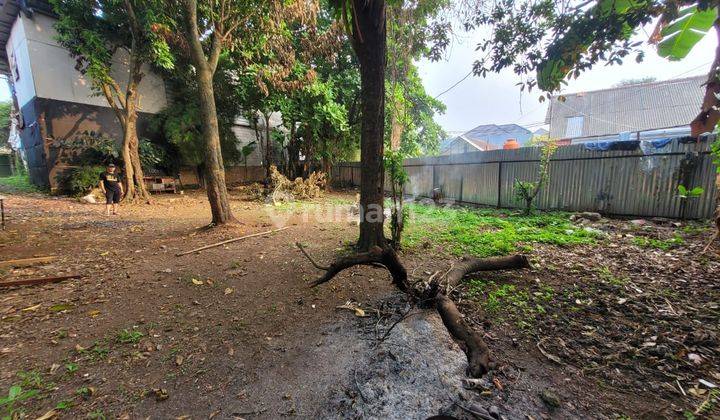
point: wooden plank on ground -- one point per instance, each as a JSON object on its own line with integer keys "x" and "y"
{"x": 25, "y": 262}
{"x": 202, "y": 248}
{"x": 41, "y": 280}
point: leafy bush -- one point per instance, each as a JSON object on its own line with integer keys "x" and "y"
{"x": 80, "y": 180}
{"x": 151, "y": 154}
{"x": 87, "y": 148}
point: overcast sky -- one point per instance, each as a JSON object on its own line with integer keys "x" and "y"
{"x": 496, "y": 99}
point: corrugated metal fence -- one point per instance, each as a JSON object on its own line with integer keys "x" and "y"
{"x": 619, "y": 182}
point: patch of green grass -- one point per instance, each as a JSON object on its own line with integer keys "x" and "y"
{"x": 17, "y": 183}
{"x": 129, "y": 336}
{"x": 488, "y": 232}
{"x": 692, "y": 230}
{"x": 661, "y": 244}
{"x": 608, "y": 276}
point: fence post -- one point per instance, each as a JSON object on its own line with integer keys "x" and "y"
{"x": 499, "y": 183}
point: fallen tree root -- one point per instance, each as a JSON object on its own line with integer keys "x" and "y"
{"x": 477, "y": 352}
{"x": 385, "y": 257}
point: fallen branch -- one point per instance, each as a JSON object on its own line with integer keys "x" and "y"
{"x": 476, "y": 350}
{"x": 710, "y": 242}
{"x": 41, "y": 280}
{"x": 202, "y": 248}
{"x": 25, "y": 262}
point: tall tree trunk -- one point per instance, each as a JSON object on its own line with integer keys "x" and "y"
{"x": 369, "y": 43}
{"x": 205, "y": 67}
{"x": 136, "y": 190}
{"x": 214, "y": 167}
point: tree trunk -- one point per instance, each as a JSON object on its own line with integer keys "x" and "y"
{"x": 136, "y": 190}
{"x": 268, "y": 145}
{"x": 369, "y": 43}
{"x": 214, "y": 168}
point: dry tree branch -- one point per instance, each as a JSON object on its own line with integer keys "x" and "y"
{"x": 312, "y": 261}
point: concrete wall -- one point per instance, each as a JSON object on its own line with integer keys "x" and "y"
{"x": 630, "y": 183}
{"x": 233, "y": 175}
{"x": 53, "y": 74}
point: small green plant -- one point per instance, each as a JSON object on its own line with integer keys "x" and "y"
{"x": 661, "y": 244}
{"x": 84, "y": 392}
{"x": 15, "y": 395}
{"x": 526, "y": 191}
{"x": 129, "y": 336}
{"x": 71, "y": 367}
{"x": 398, "y": 179}
{"x": 684, "y": 193}
{"x": 64, "y": 405}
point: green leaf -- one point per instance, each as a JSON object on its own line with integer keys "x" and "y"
{"x": 696, "y": 192}
{"x": 684, "y": 32}
{"x": 15, "y": 390}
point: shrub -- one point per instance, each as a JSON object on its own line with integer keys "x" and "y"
{"x": 80, "y": 180}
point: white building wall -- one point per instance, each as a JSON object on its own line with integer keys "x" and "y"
{"x": 55, "y": 76}
{"x": 19, "y": 60}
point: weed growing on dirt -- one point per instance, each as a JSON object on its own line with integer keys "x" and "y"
{"x": 608, "y": 276}
{"x": 129, "y": 336}
{"x": 661, "y": 244}
{"x": 96, "y": 415}
{"x": 31, "y": 385}
{"x": 96, "y": 352}
{"x": 488, "y": 232}
{"x": 71, "y": 367}
{"x": 15, "y": 395}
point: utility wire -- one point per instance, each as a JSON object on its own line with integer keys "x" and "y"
{"x": 454, "y": 85}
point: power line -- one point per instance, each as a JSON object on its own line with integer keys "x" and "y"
{"x": 455, "y": 84}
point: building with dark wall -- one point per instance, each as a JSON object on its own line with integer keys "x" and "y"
{"x": 55, "y": 100}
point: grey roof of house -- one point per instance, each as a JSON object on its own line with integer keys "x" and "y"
{"x": 483, "y": 132}
{"x": 644, "y": 106}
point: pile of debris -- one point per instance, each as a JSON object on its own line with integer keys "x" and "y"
{"x": 282, "y": 189}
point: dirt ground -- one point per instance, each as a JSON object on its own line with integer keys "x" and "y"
{"x": 607, "y": 330}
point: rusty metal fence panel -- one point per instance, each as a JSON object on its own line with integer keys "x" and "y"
{"x": 631, "y": 183}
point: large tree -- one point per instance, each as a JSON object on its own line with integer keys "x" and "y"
{"x": 205, "y": 30}
{"x": 101, "y": 34}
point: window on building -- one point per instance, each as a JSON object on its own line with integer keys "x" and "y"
{"x": 574, "y": 126}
